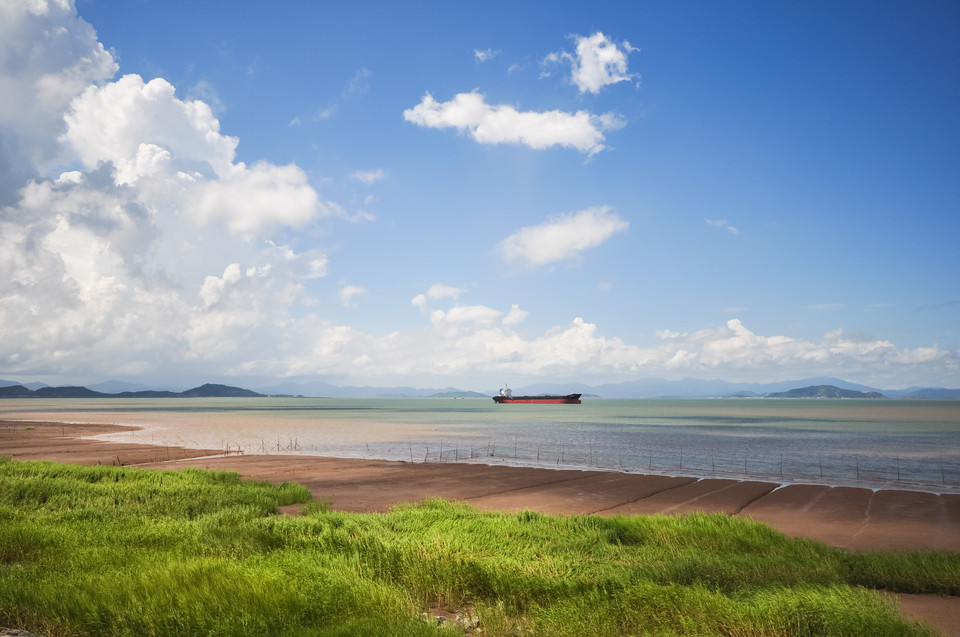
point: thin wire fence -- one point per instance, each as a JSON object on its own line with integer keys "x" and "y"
{"x": 927, "y": 469}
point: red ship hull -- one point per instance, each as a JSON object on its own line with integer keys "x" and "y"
{"x": 569, "y": 399}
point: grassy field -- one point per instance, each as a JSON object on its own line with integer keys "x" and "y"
{"x": 120, "y": 551}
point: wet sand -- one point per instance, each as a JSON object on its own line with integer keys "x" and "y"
{"x": 855, "y": 519}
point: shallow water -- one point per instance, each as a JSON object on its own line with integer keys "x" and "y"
{"x": 878, "y": 443}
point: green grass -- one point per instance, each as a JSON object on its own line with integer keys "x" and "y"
{"x": 121, "y": 551}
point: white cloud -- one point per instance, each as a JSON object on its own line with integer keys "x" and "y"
{"x": 47, "y": 58}
{"x": 109, "y": 123}
{"x": 119, "y": 267}
{"x": 597, "y": 62}
{"x": 516, "y": 316}
{"x": 440, "y": 290}
{"x": 503, "y": 124}
{"x": 436, "y": 291}
{"x": 563, "y": 237}
{"x": 213, "y": 286}
{"x": 253, "y": 199}
{"x": 368, "y": 177}
{"x": 458, "y": 318}
{"x": 349, "y": 295}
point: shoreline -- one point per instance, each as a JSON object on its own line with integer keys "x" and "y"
{"x": 142, "y": 432}
{"x": 856, "y": 518}
{"x": 852, "y": 518}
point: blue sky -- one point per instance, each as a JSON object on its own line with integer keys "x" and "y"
{"x": 470, "y": 194}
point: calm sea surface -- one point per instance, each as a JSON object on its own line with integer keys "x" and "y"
{"x": 878, "y": 443}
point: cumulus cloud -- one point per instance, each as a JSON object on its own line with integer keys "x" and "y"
{"x": 468, "y": 341}
{"x": 48, "y": 57}
{"x": 597, "y": 62}
{"x": 146, "y": 133}
{"x": 503, "y": 124}
{"x": 109, "y": 123}
{"x": 516, "y": 316}
{"x": 122, "y": 265}
{"x": 563, "y": 237}
{"x": 252, "y": 199}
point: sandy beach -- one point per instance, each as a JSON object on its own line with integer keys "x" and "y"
{"x": 855, "y": 519}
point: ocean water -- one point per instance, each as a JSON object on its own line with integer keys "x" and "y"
{"x": 875, "y": 443}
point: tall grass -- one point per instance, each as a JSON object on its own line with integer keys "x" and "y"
{"x": 121, "y": 551}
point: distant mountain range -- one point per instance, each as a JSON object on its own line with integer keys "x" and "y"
{"x": 644, "y": 388}
{"x": 209, "y": 390}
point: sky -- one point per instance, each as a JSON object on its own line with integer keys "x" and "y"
{"x": 465, "y": 194}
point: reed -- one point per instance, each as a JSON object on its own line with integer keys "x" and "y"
{"x": 121, "y": 551}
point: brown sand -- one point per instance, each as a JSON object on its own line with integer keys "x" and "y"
{"x": 852, "y": 518}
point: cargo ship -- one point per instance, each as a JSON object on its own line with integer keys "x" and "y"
{"x": 506, "y": 396}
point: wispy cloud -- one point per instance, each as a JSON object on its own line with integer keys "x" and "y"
{"x": 724, "y": 224}
{"x": 936, "y": 307}
{"x": 485, "y": 55}
{"x": 368, "y": 176}
{"x": 356, "y": 87}
{"x": 351, "y": 294}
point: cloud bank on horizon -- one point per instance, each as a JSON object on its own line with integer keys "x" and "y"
{"x": 134, "y": 243}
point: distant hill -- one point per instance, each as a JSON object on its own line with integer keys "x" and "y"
{"x": 458, "y": 394}
{"x": 66, "y": 392}
{"x": 15, "y": 391}
{"x": 204, "y": 391}
{"x": 211, "y": 390}
{"x": 824, "y": 391}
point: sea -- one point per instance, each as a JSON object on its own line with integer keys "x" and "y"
{"x": 913, "y": 445}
